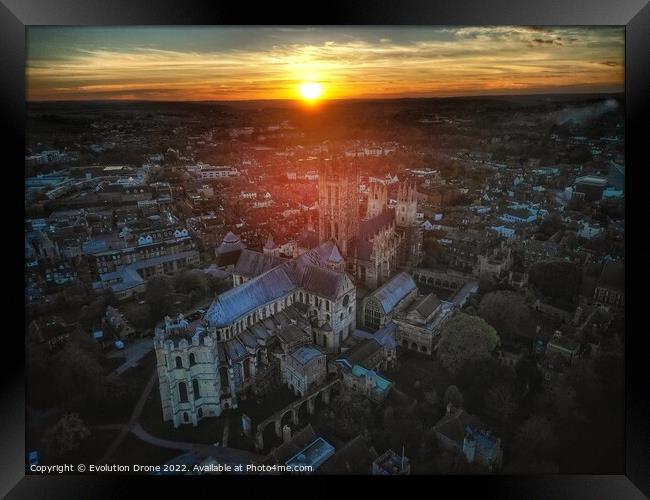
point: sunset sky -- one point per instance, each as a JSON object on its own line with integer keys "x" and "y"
{"x": 237, "y": 63}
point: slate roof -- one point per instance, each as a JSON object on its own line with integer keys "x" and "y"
{"x": 359, "y": 354}
{"x": 230, "y": 243}
{"x": 286, "y": 450}
{"x": 277, "y": 278}
{"x": 290, "y": 333}
{"x": 305, "y": 354}
{"x": 453, "y": 426}
{"x": 424, "y": 306}
{"x": 251, "y": 263}
{"x": 386, "y": 336}
{"x": 235, "y": 350}
{"x": 394, "y": 290}
{"x": 238, "y": 301}
{"x": 368, "y": 228}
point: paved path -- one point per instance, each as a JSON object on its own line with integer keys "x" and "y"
{"x": 133, "y": 353}
{"x": 221, "y": 453}
{"x": 126, "y": 428}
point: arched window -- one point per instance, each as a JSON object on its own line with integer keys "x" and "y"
{"x": 192, "y": 359}
{"x": 247, "y": 368}
{"x": 186, "y": 417}
{"x": 182, "y": 392}
{"x": 179, "y": 362}
{"x": 200, "y": 412}
{"x": 195, "y": 388}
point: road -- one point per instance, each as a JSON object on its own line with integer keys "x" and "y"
{"x": 132, "y": 352}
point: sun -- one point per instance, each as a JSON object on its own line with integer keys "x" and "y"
{"x": 311, "y": 91}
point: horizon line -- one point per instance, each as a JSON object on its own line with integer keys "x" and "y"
{"x": 338, "y": 99}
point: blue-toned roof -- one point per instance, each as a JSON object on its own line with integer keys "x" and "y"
{"x": 248, "y": 339}
{"x": 394, "y": 290}
{"x": 313, "y": 454}
{"x": 382, "y": 384}
{"x": 279, "y": 277}
{"x": 238, "y": 301}
{"x": 386, "y": 335}
{"x": 235, "y": 350}
{"x": 305, "y": 354}
{"x": 486, "y": 444}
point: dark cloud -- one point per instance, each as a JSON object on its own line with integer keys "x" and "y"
{"x": 536, "y": 42}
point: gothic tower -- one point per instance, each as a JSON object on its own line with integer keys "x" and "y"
{"x": 338, "y": 203}
{"x": 377, "y": 198}
{"x": 407, "y": 224}
{"x": 407, "y": 204}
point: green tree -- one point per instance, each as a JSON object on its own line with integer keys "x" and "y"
{"x": 535, "y": 439}
{"x": 507, "y": 312}
{"x": 465, "y": 338}
{"x": 500, "y": 402}
{"x": 352, "y": 413}
{"x": 559, "y": 279}
{"x": 404, "y": 432}
{"x": 91, "y": 315}
{"x": 453, "y": 396}
{"x": 158, "y": 296}
{"x": 65, "y": 435}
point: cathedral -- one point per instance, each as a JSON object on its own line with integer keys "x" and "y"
{"x": 250, "y": 333}
{"x": 384, "y": 240}
{"x": 279, "y": 308}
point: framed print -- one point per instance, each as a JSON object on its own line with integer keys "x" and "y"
{"x": 381, "y": 241}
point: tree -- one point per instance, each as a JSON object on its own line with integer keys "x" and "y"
{"x": 507, "y": 312}
{"x": 158, "y": 296}
{"x": 476, "y": 378}
{"x": 65, "y": 435}
{"x": 79, "y": 374}
{"x": 192, "y": 282}
{"x": 453, "y": 396}
{"x": 500, "y": 403}
{"x": 92, "y": 314}
{"x": 352, "y": 414}
{"x": 555, "y": 278}
{"x": 403, "y": 432}
{"x": 535, "y": 439}
{"x": 465, "y": 338}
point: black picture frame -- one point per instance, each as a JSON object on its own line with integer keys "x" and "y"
{"x": 15, "y": 15}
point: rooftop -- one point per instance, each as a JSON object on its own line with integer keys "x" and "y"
{"x": 394, "y": 290}
{"x": 313, "y": 454}
{"x": 305, "y": 354}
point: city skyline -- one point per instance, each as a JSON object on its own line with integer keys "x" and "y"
{"x": 250, "y": 63}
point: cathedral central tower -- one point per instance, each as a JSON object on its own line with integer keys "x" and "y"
{"x": 338, "y": 203}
